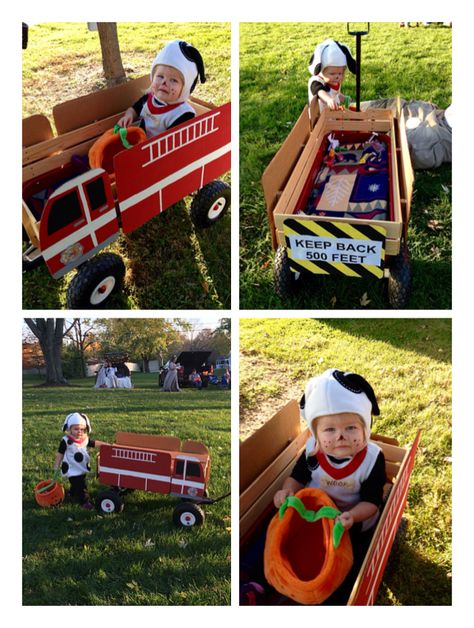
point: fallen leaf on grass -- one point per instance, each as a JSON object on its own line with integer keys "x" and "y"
{"x": 182, "y": 543}
{"x": 149, "y": 543}
{"x": 265, "y": 264}
{"x": 435, "y": 225}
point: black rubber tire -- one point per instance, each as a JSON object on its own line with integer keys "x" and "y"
{"x": 214, "y": 194}
{"x": 399, "y": 280}
{"x": 284, "y": 279}
{"x": 109, "y": 502}
{"x": 188, "y": 515}
{"x": 81, "y": 293}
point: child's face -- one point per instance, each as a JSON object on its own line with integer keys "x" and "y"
{"x": 340, "y": 435}
{"x": 334, "y": 73}
{"x": 77, "y": 431}
{"x": 167, "y": 83}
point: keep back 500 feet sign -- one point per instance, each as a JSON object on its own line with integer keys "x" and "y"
{"x": 335, "y": 247}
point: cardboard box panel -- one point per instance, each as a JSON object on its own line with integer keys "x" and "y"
{"x": 35, "y": 129}
{"x": 260, "y": 449}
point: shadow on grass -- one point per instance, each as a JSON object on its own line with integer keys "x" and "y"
{"x": 163, "y": 266}
{"x": 422, "y": 336}
{"x": 431, "y": 289}
{"x": 136, "y": 557}
{"x": 414, "y": 580}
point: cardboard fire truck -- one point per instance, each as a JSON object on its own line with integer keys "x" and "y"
{"x": 157, "y": 464}
{"x": 72, "y": 211}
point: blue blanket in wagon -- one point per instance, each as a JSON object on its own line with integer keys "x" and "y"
{"x": 353, "y": 182}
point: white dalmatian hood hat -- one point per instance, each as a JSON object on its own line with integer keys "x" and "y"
{"x": 331, "y": 52}
{"x": 77, "y": 418}
{"x": 185, "y": 58}
{"x": 337, "y": 391}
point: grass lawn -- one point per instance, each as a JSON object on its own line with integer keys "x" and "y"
{"x": 414, "y": 63}
{"x": 136, "y": 557}
{"x": 170, "y": 263}
{"x": 408, "y": 362}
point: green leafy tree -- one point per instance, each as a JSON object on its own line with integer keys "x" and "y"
{"x": 142, "y": 338}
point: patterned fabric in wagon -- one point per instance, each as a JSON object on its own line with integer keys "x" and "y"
{"x": 352, "y": 181}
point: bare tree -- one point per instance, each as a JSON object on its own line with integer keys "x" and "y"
{"x": 82, "y": 335}
{"x": 50, "y": 333}
{"x": 111, "y": 57}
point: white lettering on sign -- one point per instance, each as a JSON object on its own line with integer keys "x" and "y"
{"x": 332, "y": 250}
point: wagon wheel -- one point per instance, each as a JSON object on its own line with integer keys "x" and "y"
{"x": 399, "y": 279}
{"x": 187, "y": 515}
{"x": 284, "y": 279}
{"x": 95, "y": 282}
{"x": 210, "y": 203}
{"x": 108, "y": 502}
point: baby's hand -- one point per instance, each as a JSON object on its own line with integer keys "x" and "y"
{"x": 281, "y": 495}
{"x": 126, "y": 119}
{"x": 346, "y": 519}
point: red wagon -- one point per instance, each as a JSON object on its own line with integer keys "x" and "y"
{"x": 71, "y": 212}
{"x": 267, "y": 458}
{"x": 156, "y": 464}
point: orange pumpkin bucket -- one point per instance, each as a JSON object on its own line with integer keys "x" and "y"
{"x": 305, "y": 556}
{"x": 49, "y": 493}
{"x": 113, "y": 141}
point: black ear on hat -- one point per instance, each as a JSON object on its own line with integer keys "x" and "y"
{"x": 351, "y": 62}
{"x": 357, "y": 384}
{"x": 193, "y": 54}
{"x": 302, "y": 402}
{"x": 318, "y": 66}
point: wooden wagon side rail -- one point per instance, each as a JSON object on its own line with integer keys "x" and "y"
{"x": 371, "y": 572}
{"x": 279, "y": 169}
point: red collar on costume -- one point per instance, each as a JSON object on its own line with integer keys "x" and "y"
{"x": 160, "y": 108}
{"x": 76, "y": 440}
{"x": 339, "y": 473}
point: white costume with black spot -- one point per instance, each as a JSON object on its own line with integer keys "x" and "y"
{"x": 343, "y": 482}
{"x": 158, "y": 117}
{"x": 76, "y": 459}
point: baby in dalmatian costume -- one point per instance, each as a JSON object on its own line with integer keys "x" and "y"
{"x": 339, "y": 458}
{"x": 72, "y": 459}
{"x": 327, "y": 67}
{"x": 174, "y": 74}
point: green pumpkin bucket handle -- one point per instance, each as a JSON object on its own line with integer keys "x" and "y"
{"x": 123, "y": 135}
{"x": 312, "y": 515}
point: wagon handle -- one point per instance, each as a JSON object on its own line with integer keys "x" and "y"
{"x": 123, "y": 135}
{"x": 216, "y": 499}
{"x": 312, "y": 515}
{"x": 358, "y": 34}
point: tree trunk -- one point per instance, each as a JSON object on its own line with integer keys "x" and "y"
{"x": 146, "y": 365}
{"x": 49, "y": 332}
{"x": 111, "y": 58}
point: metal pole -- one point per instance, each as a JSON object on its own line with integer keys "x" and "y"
{"x": 358, "y": 35}
{"x": 358, "y": 55}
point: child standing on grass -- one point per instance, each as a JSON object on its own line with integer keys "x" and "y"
{"x": 72, "y": 459}
{"x": 174, "y": 75}
{"x": 327, "y": 67}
